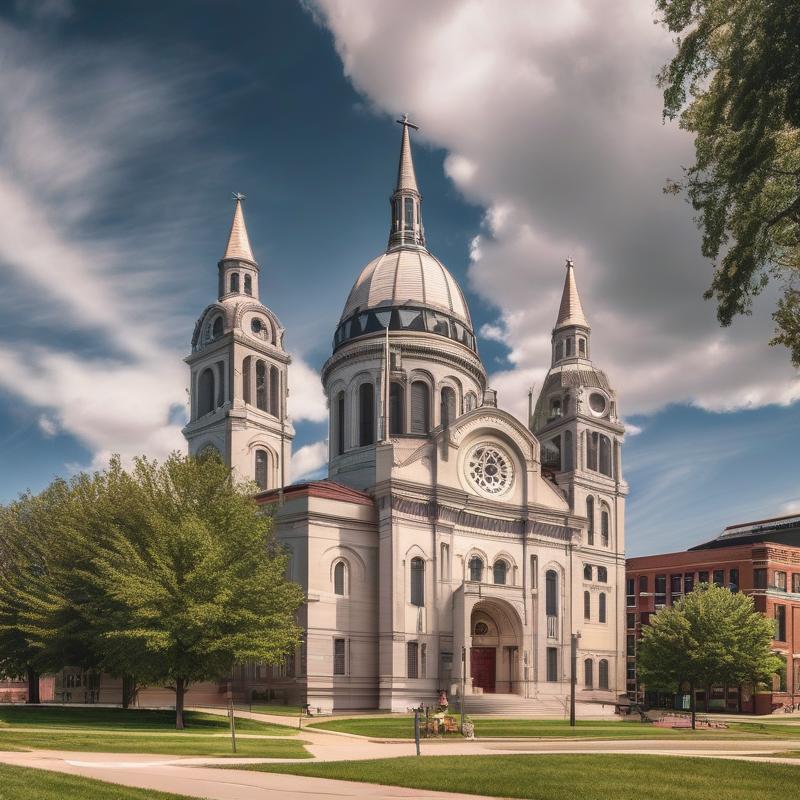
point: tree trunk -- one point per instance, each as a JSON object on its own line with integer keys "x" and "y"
{"x": 129, "y": 690}
{"x": 180, "y": 690}
{"x": 693, "y": 706}
{"x": 33, "y": 684}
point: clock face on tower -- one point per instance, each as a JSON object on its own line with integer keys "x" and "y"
{"x": 490, "y": 469}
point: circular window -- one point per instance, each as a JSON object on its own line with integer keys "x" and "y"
{"x": 257, "y": 326}
{"x": 490, "y": 469}
{"x": 481, "y": 629}
{"x": 597, "y": 403}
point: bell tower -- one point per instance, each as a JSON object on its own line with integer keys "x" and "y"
{"x": 238, "y": 372}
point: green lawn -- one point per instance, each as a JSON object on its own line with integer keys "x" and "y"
{"x": 402, "y": 727}
{"x": 273, "y": 708}
{"x": 565, "y": 777}
{"x": 18, "y": 783}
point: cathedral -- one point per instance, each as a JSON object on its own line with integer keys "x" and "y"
{"x": 451, "y": 547}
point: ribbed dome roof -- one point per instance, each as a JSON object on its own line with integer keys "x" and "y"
{"x": 407, "y": 276}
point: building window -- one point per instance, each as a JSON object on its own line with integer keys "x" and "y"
{"x": 630, "y": 592}
{"x": 551, "y": 593}
{"x": 205, "y": 392}
{"x": 470, "y": 402}
{"x": 261, "y": 385}
{"x": 552, "y": 664}
{"x": 604, "y": 527}
{"x": 702, "y": 577}
{"x": 688, "y": 582}
{"x": 448, "y": 410}
{"x": 476, "y": 569}
{"x": 780, "y": 623}
{"x": 409, "y": 214}
{"x": 339, "y": 578}
{"x": 602, "y": 677}
{"x": 642, "y": 584}
{"x": 590, "y": 517}
{"x": 500, "y": 571}
{"x": 719, "y": 577}
{"x": 661, "y": 590}
{"x": 246, "y": 378}
{"x": 417, "y": 582}
{"x": 759, "y": 578}
{"x": 420, "y": 407}
{"x": 397, "y": 411}
{"x": 675, "y": 587}
{"x": 216, "y": 330}
{"x": 444, "y": 566}
{"x": 733, "y": 579}
{"x": 795, "y": 581}
{"x": 630, "y": 644}
{"x": 780, "y": 580}
{"x": 582, "y": 348}
{"x": 598, "y": 453}
{"x": 587, "y": 606}
{"x": 587, "y": 673}
{"x": 602, "y": 607}
{"x": 569, "y": 347}
{"x": 235, "y": 282}
{"x": 630, "y": 621}
{"x": 338, "y": 656}
{"x": 248, "y": 285}
{"x": 340, "y": 423}
{"x": 602, "y": 575}
{"x": 412, "y": 650}
{"x": 569, "y": 460}
{"x": 274, "y": 392}
{"x": 262, "y": 462}
{"x": 366, "y": 414}
{"x": 587, "y": 572}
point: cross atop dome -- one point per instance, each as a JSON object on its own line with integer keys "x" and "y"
{"x": 406, "y": 201}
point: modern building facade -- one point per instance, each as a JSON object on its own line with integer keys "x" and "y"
{"x": 759, "y": 558}
{"x": 450, "y": 544}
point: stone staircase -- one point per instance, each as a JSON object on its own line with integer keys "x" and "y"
{"x": 542, "y": 707}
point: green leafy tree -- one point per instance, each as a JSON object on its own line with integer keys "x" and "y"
{"x": 711, "y": 637}
{"x": 188, "y": 580}
{"x": 734, "y": 82}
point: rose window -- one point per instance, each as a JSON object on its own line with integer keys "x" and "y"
{"x": 490, "y": 469}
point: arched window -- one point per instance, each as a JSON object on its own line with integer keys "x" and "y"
{"x": 587, "y": 673}
{"x": 216, "y": 331}
{"x": 248, "y": 285}
{"x": 604, "y": 525}
{"x": 559, "y": 350}
{"x": 408, "y": 216}
{"x": 605, "y": 456}
{"x": 417, "y": 582}
{"x": 235, "y": 282}
{"x": 569, "y": 347}
{"x": 366, "y": 414}
{"x": 500, "y": 571}
{"x": 448, "y": 409}
{"x": 206, "y": 394}
{"x": 551, "y": 593}
{"x": 340, "y": 423}
{"x": 587, "y": 606}
{"x": 582, "y": 348}
{"x": 470, "y": 402}
{"x": 476, "y": 569}
{"x": 602, "y": 609}
{"x": 587, "y": 572}
{"x": 602, "y": 676}
{"x": 568, "y": 459}
{"x": 261, "y": 385}
{"x": 247, "y": 377}
{"x": 590, "y": 517}
{"x": 339, "y": 578}
{"x": 420, "y": 407}
{"x": 602, "y": 574}
{"x": 274, "y": 392}
{"x": 397, "y": 408}
{"x": 262, "y": 461}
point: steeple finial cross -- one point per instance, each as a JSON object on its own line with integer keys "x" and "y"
{"x": 239, "y": 196}
{"x": 405, "y": 123}
{"x": 570, "y": 262}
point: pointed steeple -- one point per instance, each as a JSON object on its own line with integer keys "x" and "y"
{"x": 570, "y": 311}
{"x": 238, "y": 241}
{"x": 407, "y": 229}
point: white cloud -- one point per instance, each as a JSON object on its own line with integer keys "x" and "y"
{"x": 47, "y": 425}
{"x": 791, "y": 506}
{"x": 554, "y": 126}
{"x": 308, "y": 461}
{"x": 306, "y": 398}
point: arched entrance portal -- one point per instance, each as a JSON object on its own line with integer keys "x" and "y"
{"x": 496, "y": 639}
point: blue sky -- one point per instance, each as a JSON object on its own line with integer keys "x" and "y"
{"x": 128, "y": 127}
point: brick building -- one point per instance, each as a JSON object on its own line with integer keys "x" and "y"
{"x": 760, "y": 558}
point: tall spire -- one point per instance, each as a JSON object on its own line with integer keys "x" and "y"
{"x": 238, "y": 241}
{"x": 406, "y": 201}
{"x": 570, "y": 312}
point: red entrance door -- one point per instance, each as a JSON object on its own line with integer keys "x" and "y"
{"x": 482, "y": 662}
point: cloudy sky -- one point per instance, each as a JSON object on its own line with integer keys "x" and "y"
{"x": 126, "y": 126}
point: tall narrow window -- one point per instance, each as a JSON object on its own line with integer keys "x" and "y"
{"x": 602, "y": 676}
{"x": 470, "y": 401}
{"x": 591, "y": 450}
{"x": 601, "y": 616}
{"x": 340, "y": 423}
{"x": 417, "y": 582}
{"x": 569, "y": 347}
{"x": 534, "y": 568}
{"x": 274, "y": 392}
{"x": 235, "y": 282}
{"x": 551, "y": 593}
{"x": 780, "y": 623}
{"x": 205, "y": 392}
{"x": 248, "y": 285}
{"x": 588, "y": 668}
{"x": 605, "y": 456}
{"x": 413, "y": 659}
{"x": 552, "y": 664}
{"x": 602, "y": 574}
{"x": 246, "y": 379}
{"x": 448, "y": 410}
{"x": 587, "y": 572}
{"x": 582, "y": 348}
{"x": 261, "y": 385}
{"x": 568, "y": 455}
{"x": 262, "y": 461}
{"x": 366, "y": 414}
{"x": 339, "y": 578}
{"x": 604, "y": 526}
{"x": 420, "y": 407}
{"x": 217, "y": 329}
{"x": 409, "y": 214}
{"x": 590, "y": 517}
{"x": 339, "y": 657}
{"x": 500, "y": 571}
{"x": 397, "y": 409}
{"x": 587, "y": 606}
{"x": 444, "y": 565}
{"x": 476, "y": 569}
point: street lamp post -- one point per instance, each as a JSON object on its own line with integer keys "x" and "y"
{"x": 573, "y": 679}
